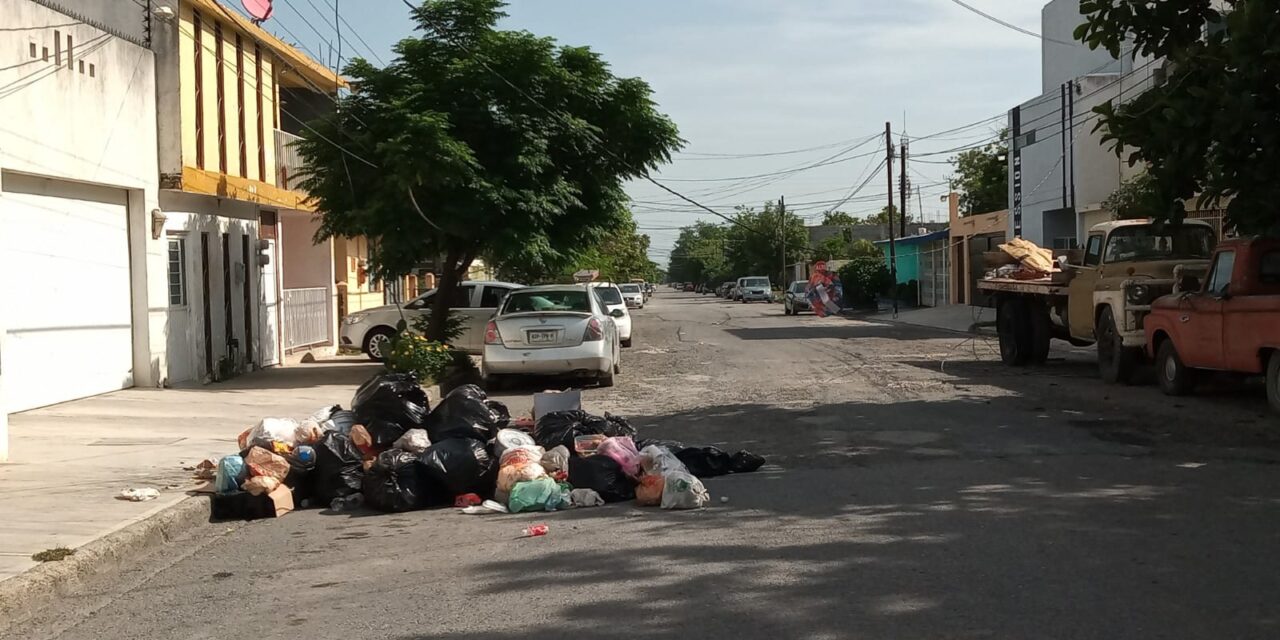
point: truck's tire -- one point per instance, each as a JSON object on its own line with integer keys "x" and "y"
{"x": 1174, "y": 377}
{"x": 1116, "y": 364}
{"x": 1273, "y": 381}
{"x": 1014, "y": 328}
{"x": 1041, "y": 332}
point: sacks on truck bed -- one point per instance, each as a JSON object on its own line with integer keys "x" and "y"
{"x": 467, "y": 413}
{"x": 561, "y": 427}
{"x": 460, "y": 465}
{"x": 396, "y": 483}
{"x": 338, "y": 472}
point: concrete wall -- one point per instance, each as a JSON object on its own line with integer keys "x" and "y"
{"x": 1061, "y": 63}
{"x": 125, "y": 20}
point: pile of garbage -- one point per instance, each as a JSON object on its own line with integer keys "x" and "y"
{"x": 392, "y": 453}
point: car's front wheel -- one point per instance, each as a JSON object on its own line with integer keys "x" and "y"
{"x": 1116, "y": 363}
{"x": 377, "y": 344}
{"x": 626, "y": 344}
{"x": 1176, "y": 378}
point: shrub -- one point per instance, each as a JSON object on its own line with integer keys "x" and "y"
{"x": 454, "y": 327}
{"x": 412, "y": 353}
{"x": 864, "y": 280}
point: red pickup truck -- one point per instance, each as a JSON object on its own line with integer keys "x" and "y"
{"x": 1231, "y": 322}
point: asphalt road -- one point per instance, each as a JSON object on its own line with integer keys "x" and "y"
{"x": 915, "y": 489}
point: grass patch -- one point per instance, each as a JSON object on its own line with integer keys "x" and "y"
{"x": 53, "y": 555}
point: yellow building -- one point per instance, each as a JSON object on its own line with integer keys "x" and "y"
{"x": 230, "y": 99}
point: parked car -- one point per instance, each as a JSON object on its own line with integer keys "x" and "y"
{"x": 754, "y": 288}
{"x": 633, "y": 295}
{"x": 796, "y": 298}
{"x": 372, "y": 329}
{"x": 611, "y": 296}
{"x": 553, "y": 330}
{"x": 1231, "y": 322}
{"x": 725, "y": 289}
{"x": 688, "y": 287}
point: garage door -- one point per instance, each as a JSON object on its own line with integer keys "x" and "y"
{"x": 64, "y": 277}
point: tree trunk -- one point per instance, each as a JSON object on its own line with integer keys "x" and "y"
{"x": 457, "y": 263}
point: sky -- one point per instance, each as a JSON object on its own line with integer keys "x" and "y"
{"x": 786, "y": 83}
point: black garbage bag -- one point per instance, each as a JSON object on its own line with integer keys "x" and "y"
{"x": 706, "y": 462}
{"x": 384, "y": 433}
{"x": 460, "y": 465}
{"x": 561, "y": 427}
{"x": 338, "y": 471}
{"x": 604, "y": 475}
{"x": 670, "y": 445}
{"x": 618, "y": 427}
{"x": 745, "y": 462}
{"x": 401, "y": 385}
{"x": 343, "y": 421}
{"x": 467, "y": 413}
{"x": 396, "y": 483}
{"x": 384, "y": 405}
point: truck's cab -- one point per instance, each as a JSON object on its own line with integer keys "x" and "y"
{"x": 1125, "y": 266}
{"x": 1228, "y": 322}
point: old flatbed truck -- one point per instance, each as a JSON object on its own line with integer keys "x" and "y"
{"x": 1125, "y": 266}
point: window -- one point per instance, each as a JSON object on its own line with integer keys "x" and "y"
{"x": 198, "y": 26}
{"x": 762, "y": 283}
{"x": 1220, "y": 279}
{"x": 243, "y": 129}
{"x": 220, "y": 85}
{"x": 1271, "y": 267}
{"x": 262, "y": 135}
{"x": 1142, "y": 243}
{"x": 609, "y": 295}
{"x": 567, "y": 300}
{"x": 462, "y": 297}
{"x": 631, "y": 288}
{"x": 491, "y": 297}
{"x": 177, "y": 272}
{"x": 1093, "y": 253}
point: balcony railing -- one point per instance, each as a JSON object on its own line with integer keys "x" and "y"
{"x": 288, "y": 161}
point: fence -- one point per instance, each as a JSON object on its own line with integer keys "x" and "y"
{"x": 288, "y": 160}
{"x": 306, "y": 317}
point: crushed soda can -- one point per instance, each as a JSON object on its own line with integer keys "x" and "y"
{"x": 536, "y": 530}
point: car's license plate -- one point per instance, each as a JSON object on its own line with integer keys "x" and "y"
{"x": 542, "y": 337}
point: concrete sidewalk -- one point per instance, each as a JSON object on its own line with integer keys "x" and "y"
{"x": 956, "y": 317}
{"x": 69, "y": 461}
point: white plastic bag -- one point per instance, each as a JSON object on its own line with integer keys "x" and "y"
{"x": 323, "y": 414}
{"x": 585, "y": 498}
{"x": 683, "y": 491}
{"x": 659, "y": 461}
{"x": 274, "y": 430}
{"x": 556, "y": 459}
{"x": 508, "y": 439}
{"x": 413, "y": 441}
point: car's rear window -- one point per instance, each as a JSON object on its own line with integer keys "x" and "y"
{"x": 609, "y": 295}
{"x": 524, "y": 302}
{"x": 631, "y": 288}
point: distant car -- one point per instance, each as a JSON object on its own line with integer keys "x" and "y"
{"x": 371, "y": 330}
{"x": 633, "y": 295}
{"x": 611, "y": 296}
{"x": 751, "y": 289}
{"x": 796, "y": 299}
{"x": 552, "y": 330}
{"x": 688, "y": 287}
{"x": 725, "y": 289}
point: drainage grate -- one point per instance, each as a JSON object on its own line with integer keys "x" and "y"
{"x": 134, "y": 442}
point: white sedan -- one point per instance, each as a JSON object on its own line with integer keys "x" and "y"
{"x": 633, "y": 295}
{"x": 611, "y": 296}
{"x": 372, "y": 329}
{"x": 552, "y": 330}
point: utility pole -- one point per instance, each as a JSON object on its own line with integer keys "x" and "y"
{"x": 782, "y": 235}
{"x": 903, "y": 188}
{"x": 893, "y": 251}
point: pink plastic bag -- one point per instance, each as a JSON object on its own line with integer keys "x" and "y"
{"x": 623, "y": 451}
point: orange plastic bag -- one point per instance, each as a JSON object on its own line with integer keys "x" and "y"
{"x": 649, "y": 491}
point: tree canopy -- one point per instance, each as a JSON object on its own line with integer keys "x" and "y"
{"x": 982, "y": 177}
{"x": 1209, "y": 130}
{"x": 481, "y": 142}
{"x": 838, "y": 218}
{"x": 751, "y": 245}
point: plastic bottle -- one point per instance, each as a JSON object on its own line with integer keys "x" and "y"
{"x": 349, "y": 503}
{"x": 536, "y": 530}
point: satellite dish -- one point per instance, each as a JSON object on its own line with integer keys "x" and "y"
{"x": 260, "y": 9}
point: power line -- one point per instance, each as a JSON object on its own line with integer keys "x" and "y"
{"x": 1012, "y": 26}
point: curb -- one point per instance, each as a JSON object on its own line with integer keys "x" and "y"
{"x": 25, "y": 593}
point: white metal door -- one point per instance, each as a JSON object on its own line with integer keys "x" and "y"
{"x": 269, "y": 319}
{"x": 64, "y": 276}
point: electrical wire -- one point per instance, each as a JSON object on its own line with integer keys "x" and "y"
{"x": 1012, "y": 26}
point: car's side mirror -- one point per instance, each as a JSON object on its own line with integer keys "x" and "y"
{"x": 618, "y": 313}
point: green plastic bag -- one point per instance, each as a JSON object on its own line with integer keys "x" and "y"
{"x": 542, "y": 494}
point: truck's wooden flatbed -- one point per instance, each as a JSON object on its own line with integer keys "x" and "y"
{"x": 1033, "y": 287}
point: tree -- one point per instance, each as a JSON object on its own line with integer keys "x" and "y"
{"x": 838, "y": 219}
{"x": 756, "y": 240}
{"x": 1208, "y": 130}
{"x": 882, "y": 218}
{"x": 699, "y": 254}
{"x": 481, "y": 142}
{"x": 982, "y": 176}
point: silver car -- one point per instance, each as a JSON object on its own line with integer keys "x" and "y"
{"x": 552, "y": 330}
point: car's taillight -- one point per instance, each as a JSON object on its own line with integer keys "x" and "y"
{"x": 491, "y": 335}
{"x": 594, "y": 331}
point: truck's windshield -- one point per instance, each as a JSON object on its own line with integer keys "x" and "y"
{"x": 1144, "y": 243}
